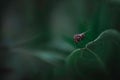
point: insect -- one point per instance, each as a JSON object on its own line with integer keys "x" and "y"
{"x": 79, "y": 37}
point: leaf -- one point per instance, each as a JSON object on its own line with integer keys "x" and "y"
{"x": 99, "y": 60}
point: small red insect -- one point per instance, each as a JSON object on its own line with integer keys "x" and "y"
{"x": 79, "y": 37}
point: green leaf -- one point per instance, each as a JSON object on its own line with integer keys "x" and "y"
{"x": 99, "y": 60}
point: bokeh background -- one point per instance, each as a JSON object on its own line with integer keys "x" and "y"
{"x": 36, "y": 36}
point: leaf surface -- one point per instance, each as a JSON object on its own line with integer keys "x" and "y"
{"x": 99, "y": 60}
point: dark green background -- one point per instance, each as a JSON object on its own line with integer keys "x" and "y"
{"x": 36, "y": 40}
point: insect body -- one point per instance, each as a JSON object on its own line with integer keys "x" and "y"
{"x": 78, "y": 37}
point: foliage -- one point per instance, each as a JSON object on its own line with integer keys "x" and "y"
{"x": 39, "y": 37}
{"x": 98, "y": 60}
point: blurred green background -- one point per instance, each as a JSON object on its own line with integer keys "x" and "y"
{"x": 37, "y": 35}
